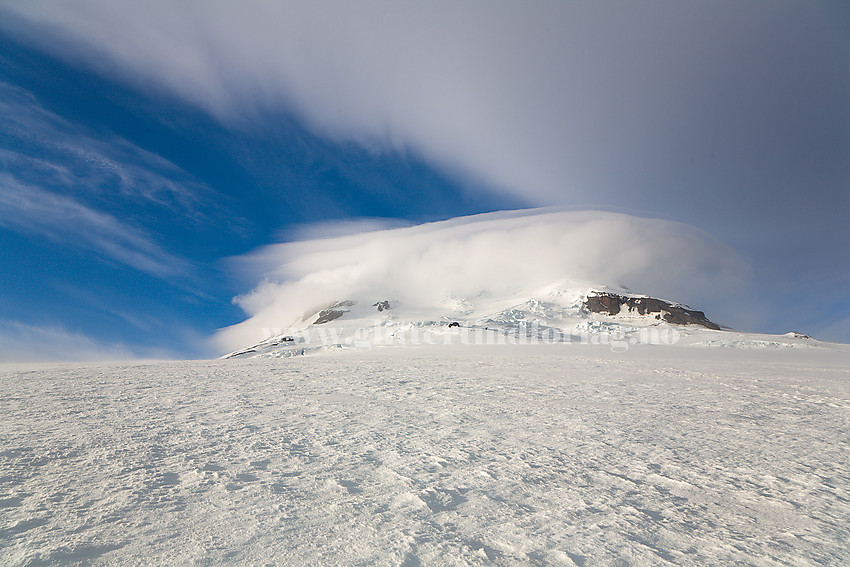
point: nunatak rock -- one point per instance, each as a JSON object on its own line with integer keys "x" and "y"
{"x": 675, "y": 313}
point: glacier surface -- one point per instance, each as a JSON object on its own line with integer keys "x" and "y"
{"x": 550, "y": 454}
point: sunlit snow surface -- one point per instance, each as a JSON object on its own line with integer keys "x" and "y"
{"x": 553, "y": 454}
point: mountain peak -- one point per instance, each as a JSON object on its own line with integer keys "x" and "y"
{"x": 565, "y": 312}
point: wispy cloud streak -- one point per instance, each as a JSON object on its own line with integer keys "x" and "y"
{"x": 31, "y": 210}
{"x": 42, "y": 148}
{"x": 59, "y": 182}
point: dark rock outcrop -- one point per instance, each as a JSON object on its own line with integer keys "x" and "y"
{"x": 335, "y": 311}
{"x": 796, "y": 335}
{"x": 382, "y": 305}
{"x": 612, "y": 303}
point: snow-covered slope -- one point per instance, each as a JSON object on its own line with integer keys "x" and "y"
{"x": 561, "y": 454}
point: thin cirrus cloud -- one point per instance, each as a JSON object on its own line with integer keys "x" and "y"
{"x": 497, "y": 255}
{"x": 60, "y": 183}
{"x": 42, "y": 148}
{"x": 32, "y": 210}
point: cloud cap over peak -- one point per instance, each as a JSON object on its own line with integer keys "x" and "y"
{"x": 495, "y": 255}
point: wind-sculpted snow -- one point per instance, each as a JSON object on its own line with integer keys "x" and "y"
{"x": 502, "y": 455}
{"x": 487, "y": 263}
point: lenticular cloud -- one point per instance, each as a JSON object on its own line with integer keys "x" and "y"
{"x": 496, "y": 255}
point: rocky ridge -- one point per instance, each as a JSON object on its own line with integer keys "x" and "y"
{"x": 613, "y": 304}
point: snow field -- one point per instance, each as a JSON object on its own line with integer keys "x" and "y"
{"x": 488, "y": 455}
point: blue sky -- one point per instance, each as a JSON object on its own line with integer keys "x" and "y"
{"x": 119, "y": 208}
{"x": 144, "y": 144}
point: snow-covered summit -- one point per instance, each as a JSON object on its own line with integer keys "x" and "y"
{"x": 565, "y": 313}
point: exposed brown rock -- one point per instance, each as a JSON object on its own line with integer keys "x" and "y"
{"x": 612, "y": 303}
